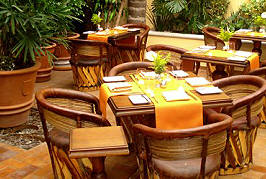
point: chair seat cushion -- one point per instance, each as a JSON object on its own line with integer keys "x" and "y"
{"x": 189, "y": 168}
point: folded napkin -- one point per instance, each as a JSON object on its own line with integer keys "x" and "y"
{"x": 150, "y": 55}
{"x": 120, "y": 86}
{"x": 243, "y": 53}
{"x": 150, "y": 74}
{"x": 207, "y": 47}
{"x": 175, "y": 95}
{"x": 237, "y": 58}
{"x": 179, "y": 73}
{"x": 197, "y": 81}
{"x": 208, "y": 90}
{"x": 114, "y": 78}
{"x": 120, "y": 28}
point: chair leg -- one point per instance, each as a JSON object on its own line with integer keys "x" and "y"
{"x": 98, "y": 171}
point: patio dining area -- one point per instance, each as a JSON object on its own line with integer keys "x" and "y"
{"x": 16, "y": 162}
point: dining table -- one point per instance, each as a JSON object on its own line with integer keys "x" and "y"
{"x": 159, "y": 112}
{"x": 232, "y": 59}
{"x": 118, "y": 38}
{"x": 257, "y": 38}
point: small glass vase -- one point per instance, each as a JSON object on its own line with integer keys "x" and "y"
{"x": 226, "y": 46}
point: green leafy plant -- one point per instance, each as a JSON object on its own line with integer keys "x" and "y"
{"x": 259, "y": 21}
{"x": 27, "y": 26}
{"x": 225, "y": 35}
{"x": 96, "y": 19}
{"x": 160, "y": 62}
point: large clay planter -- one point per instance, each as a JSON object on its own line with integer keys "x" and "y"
{"x": 61, "y": 63}
{"x": 44, "y": 73}
{"x": 16, "y": 95}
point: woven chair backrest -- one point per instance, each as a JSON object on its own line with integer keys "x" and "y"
{"x": 64, "y": 123}
{"x": 186, "y": 148}
{"x": 88, "y": 48}
{"x": 127, "y": 68}
{"x": 238, "y": 91}
{"x": 175, "y": 57}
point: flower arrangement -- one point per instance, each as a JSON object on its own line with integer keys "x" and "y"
{"x": 225, "y": 35}
{"x": 160, "y": 62}
{"x": 96, "y": 19}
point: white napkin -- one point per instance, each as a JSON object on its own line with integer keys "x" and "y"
{"x": 243, "y": 30}
{"x": 178, "y": 94}
{"x": 243, "y": 53}
{"x": 120, "y": 28}
{"x": 114, "y": 78}
{"x": 139, "y": 99}
{"x": 150, "y": 55}
{"x": 197, "y": 81}
{"x": 179, "y": 73}
{"x": 237, "y": 58}
{"x": 149, "y": 74}
{"x": 120, "y": 86}
{"x": 207, "y": 47}
{"x": 208, "y": 90}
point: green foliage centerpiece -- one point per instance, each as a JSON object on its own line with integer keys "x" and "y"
{"x": 159, "y": 66}
{"x": 225, "y": 35}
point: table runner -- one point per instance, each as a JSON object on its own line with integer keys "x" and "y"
{"x": 105, "y": 93}
{"x": 169, "y": 115}
{"x": 254, "y": 60}
{"x": 104, "y": 38}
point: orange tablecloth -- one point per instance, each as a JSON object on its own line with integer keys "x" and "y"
{"x": 104, "y": 38}
{"x": 105, "y": 93}
{"x": 254, "y": 59}
{"x": 169, "y": 115}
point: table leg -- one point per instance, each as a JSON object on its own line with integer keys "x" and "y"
{"x": 257, "y": 47}
{"x": 219, "y": 72}
{"x": 98, "y": 171}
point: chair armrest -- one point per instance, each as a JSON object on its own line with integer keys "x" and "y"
{"x": 159, "y": 47}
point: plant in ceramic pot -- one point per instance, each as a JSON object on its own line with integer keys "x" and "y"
{"x": 225, "y": 35}
{"x": 23, "y": 32}
{"x": 63, "y": 14}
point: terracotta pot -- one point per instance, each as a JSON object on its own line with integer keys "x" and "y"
{"x": 63, "y": 56}
{"x": 44, "y": 73}
{"x": 16, "y": 94}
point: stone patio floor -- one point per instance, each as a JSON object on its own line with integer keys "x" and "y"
{"x": 16, "y": 163}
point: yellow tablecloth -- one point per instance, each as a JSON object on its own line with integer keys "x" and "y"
{"x": 169, "y": 115}
{"x": 254, "y": 59}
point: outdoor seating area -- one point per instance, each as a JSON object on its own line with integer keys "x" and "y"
{"x": 111, "y": 101}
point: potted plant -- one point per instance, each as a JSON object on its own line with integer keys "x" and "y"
{"x": 64, "y": 13}
{"x": 225, "y": 35}
{"x": 23, "y": 32}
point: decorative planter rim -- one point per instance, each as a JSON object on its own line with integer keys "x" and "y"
{"x": 49, "y": 46}
{"x": 35, "y": 67}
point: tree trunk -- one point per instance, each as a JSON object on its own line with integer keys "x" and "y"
{"x": 137, "y": 11}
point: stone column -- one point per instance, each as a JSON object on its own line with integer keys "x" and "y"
{"x": 136, "y": 11}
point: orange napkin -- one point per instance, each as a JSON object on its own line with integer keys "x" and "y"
{"x": 176, "y": 114}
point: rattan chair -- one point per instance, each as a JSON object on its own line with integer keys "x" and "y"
{"x": 133, "y": 49}
{"x": 131, "y": 67}
{"x": 176, "y": 53}
{"x": 247, "y": 93}
{"x": 183, "y": 153}
{"x": 261, "y": 72}
{"x": 90, "y": 61}
{"x": 62, "y": 110}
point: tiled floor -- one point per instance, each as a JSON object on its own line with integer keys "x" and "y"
{"x": 16, "y": 163}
